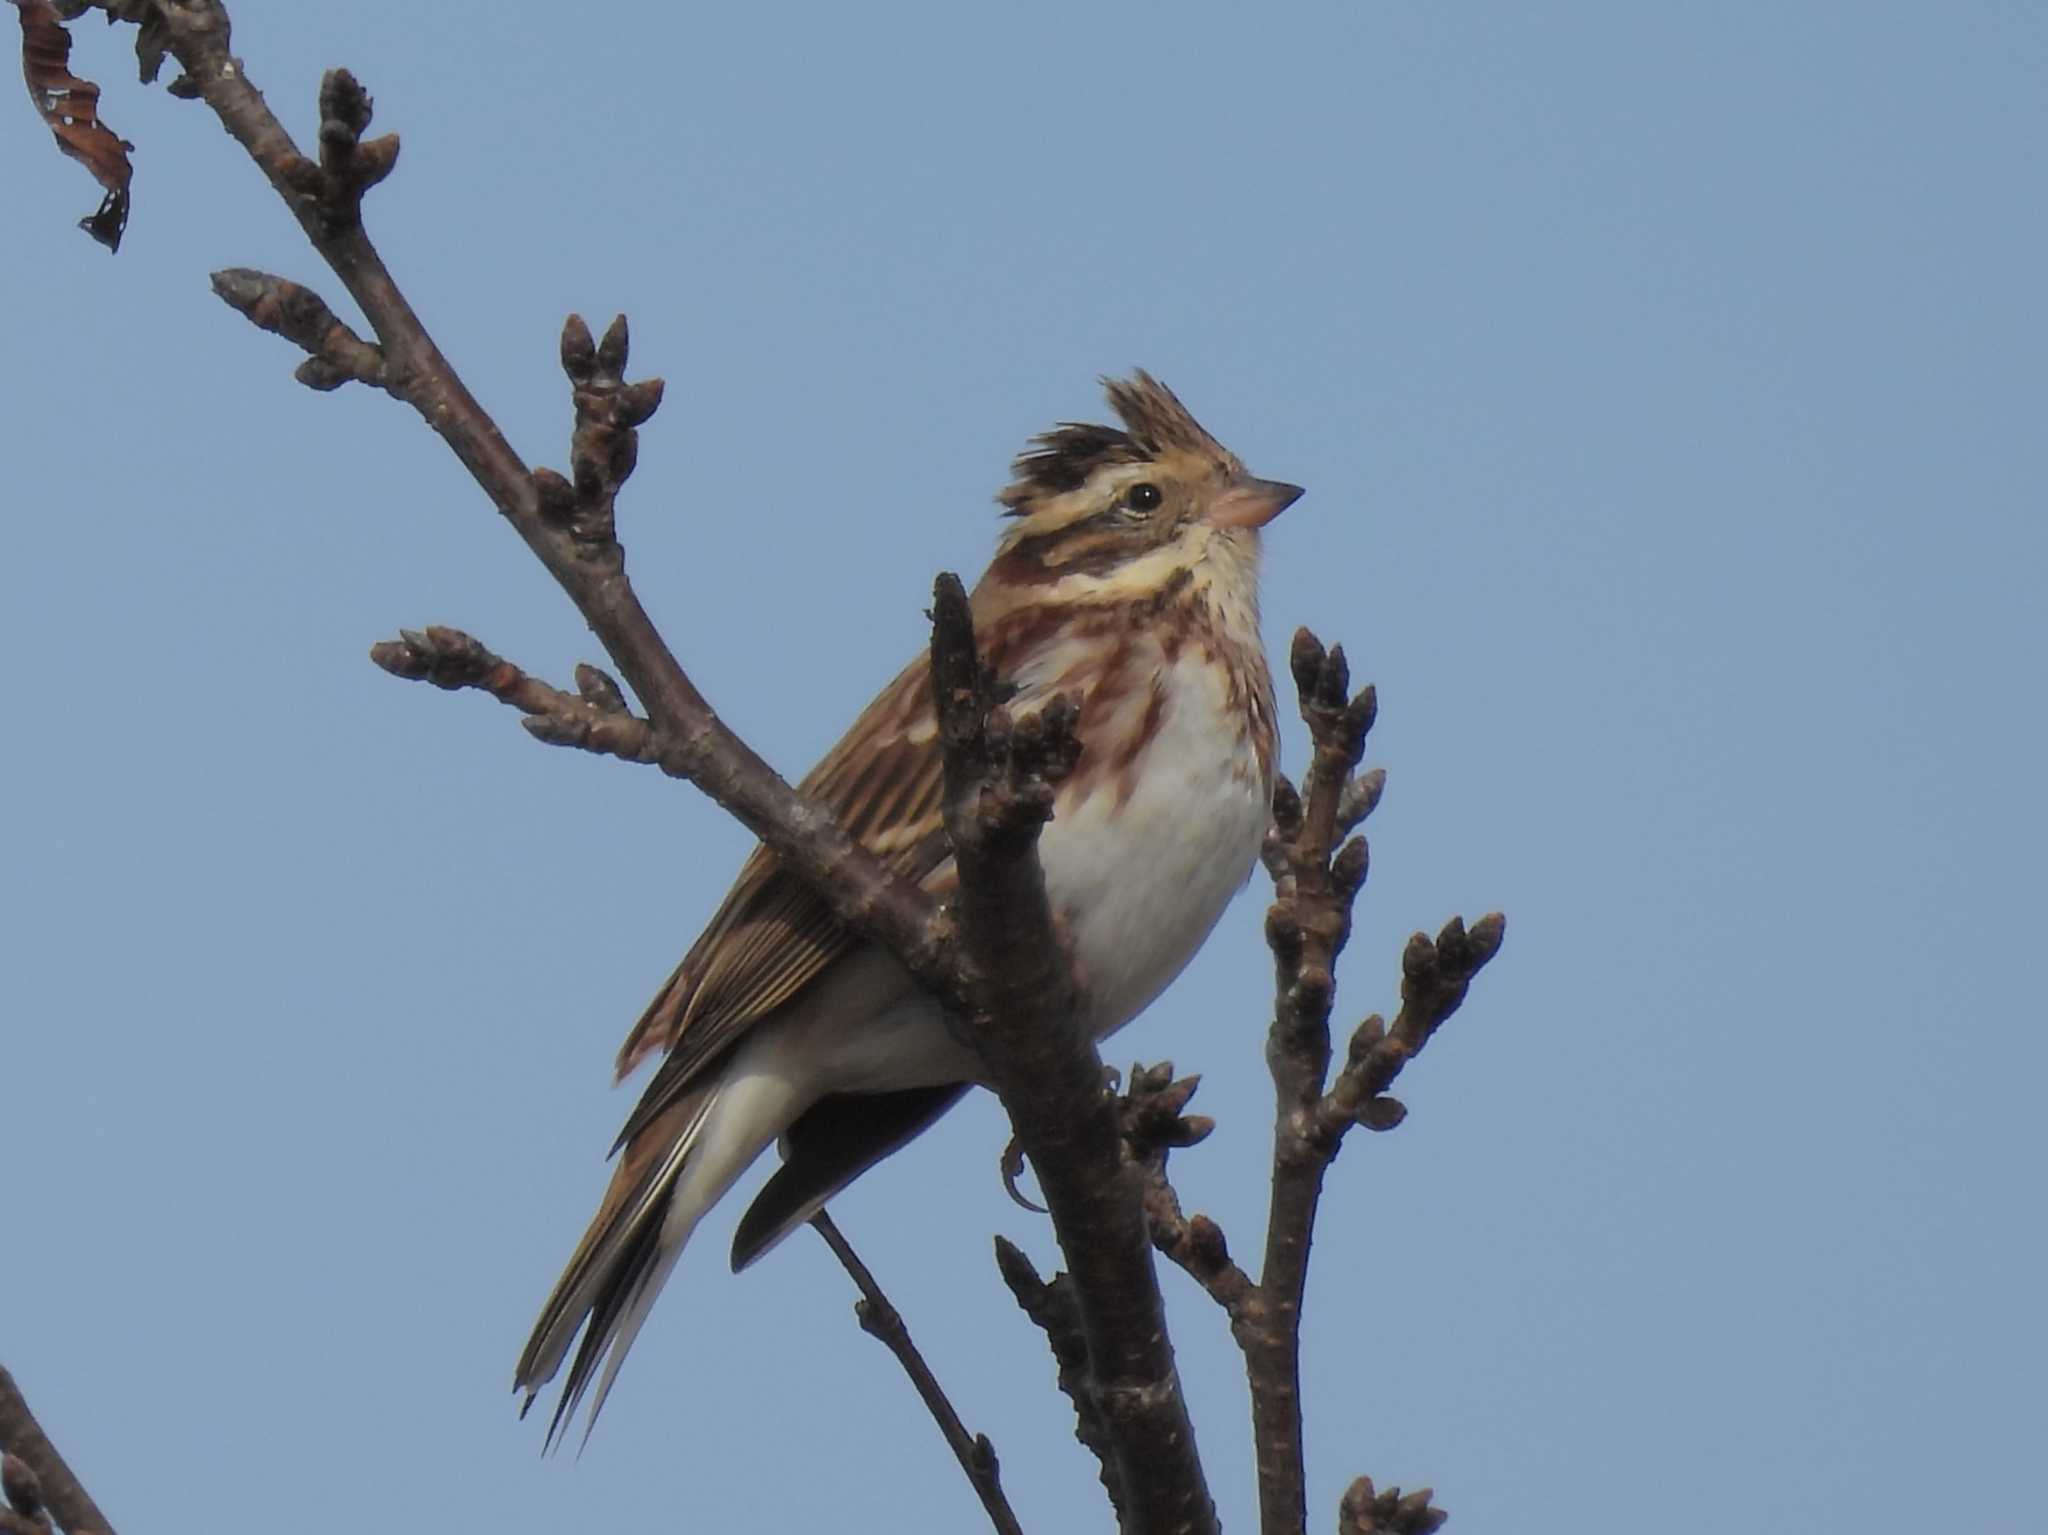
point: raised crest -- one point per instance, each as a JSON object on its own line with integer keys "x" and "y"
{"x": 1155, "y": 423}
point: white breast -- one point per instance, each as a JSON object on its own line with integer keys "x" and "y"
{"x": 1140, "y": 883}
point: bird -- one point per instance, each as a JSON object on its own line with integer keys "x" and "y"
{"x": 1126, "y": 580}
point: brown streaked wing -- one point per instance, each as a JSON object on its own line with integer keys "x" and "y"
{"x": 773, "y": 936}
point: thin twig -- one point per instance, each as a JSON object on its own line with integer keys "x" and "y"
{"x": 1434, "y": 976}
{"x": 1315, "y": 883}
{"x": 1316, "y": 880}
{"x": 883, "y": 1322}
{"x": 1154, "y": 1124}
{"x": 335, "y": 353}
{"x": 1307, "y": 927}
{"x": 1196, "y": 1245}
{"x": 50, "y": 1484}
{"x": 597, "y": 721}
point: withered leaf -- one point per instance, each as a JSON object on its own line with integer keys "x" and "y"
{"x": 71, "y": 107}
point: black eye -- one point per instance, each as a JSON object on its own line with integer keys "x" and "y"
{"x": 1142, "y": 497}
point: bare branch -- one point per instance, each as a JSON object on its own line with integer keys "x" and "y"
{"x": 35, "y": 1477}
{"x": 567, "y": 526}
{"x": 1317, "y": 875}
{"x": 1197, "y": 1245}
{"x": 883, "y": 1322}
{"x": 336, "y": 354}
{"x": 1000, "y": 777}
{"x": 1434, "y": 977}
{"x": 598, "y": 721}
{"x": 1307, "y": 926}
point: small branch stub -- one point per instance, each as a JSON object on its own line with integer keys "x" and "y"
{"x": 1153, "y": 1111}
{"x": 1012, "y": 765}
{"x": 605, "y": 445}
{"x": 1364, "y": 1510}
{"x": 594, "y": 720}
{"x": 1155, "y": 1123}
{"x": 1435, "y": 975}
{"x": 349, "y": 166}
{"x": 1052, "y": 1307}
{"x": 336, "y": 354}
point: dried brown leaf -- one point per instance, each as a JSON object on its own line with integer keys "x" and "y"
{"x": 71, "y": 107}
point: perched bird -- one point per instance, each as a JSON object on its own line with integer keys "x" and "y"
{"x": 1129, "y": 582}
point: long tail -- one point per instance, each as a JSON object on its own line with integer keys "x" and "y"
{"x": 675, "y": 1167}
{"x": 619, "y": 1266}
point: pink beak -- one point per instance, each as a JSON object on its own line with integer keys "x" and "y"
{"x": 1252, "y": 503}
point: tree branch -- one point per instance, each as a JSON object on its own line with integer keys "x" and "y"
{"x": 567, "y": 525}
{"x": 883, "y": 1322}
{"x": 1000, "y": 777}
{"x": 1434, "y": 977}
{"x": 1315, "y": 883}
{"x": 35, "y": 1478}
{"x": 596, "y": 721}
{"x": 335, "y": 353}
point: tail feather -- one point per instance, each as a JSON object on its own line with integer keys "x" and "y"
{"x": 609, "y": 1273}
{"x": 675, "y": 1168}
{"x": 639, "y": 1300}
{"x": 598, "y": 1338}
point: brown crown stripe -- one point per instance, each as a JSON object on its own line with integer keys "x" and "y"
{"x": 1155, "y": 422}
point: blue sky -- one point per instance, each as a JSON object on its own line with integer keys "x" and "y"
{"x": 1668, "y": 385}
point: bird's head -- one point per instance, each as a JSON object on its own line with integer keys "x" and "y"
{"x": 1098, "y": 508}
